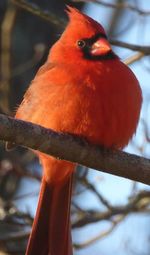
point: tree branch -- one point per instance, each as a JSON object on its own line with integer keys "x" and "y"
{"x": 132, "y": 59}
{"x": 36, "y": 10}
{"x": 134, "y": 47}
{"x": 71, "y": 148}
{"x": 121, "y": 5}
{"x": 139, "y": 203}
{"x": 101, "y": 235}
{"x": 54, "y": 19}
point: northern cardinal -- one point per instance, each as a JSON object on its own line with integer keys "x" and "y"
{"x": 82, "y": 89}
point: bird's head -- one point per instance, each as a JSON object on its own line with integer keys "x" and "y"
{"x": 84, "y": 38}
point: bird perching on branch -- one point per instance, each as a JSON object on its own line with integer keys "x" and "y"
{"x": 82, "y": 89}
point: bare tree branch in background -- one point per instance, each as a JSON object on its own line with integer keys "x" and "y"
{"x": 135, "y": 57}
{"x": 52, "y": 18}
{"x": 144, "y": 49}
{"x": 121, "y": 5}
{"x": 5, "y": 60}
{"x": 139, "y": 203}
{"x": 101, "y": 235}
{"x": 35, "y": 10}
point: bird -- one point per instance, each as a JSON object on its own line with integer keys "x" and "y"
{"x": 83, "y": 89}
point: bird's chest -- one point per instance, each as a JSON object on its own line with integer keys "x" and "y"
{"x": 93, "y": 108}
{"x": 83, "y": 109}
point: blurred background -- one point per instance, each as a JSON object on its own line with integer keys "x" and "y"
{"x": 109, "y": 214}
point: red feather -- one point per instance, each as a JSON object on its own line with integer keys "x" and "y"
{"x": 92, "y": 95}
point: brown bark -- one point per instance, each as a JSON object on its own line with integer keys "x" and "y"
{"x": 71, "y": 148}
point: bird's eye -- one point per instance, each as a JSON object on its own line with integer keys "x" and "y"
{"x": 81, "y": 44}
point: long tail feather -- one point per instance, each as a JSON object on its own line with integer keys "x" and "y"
{"x": 51, "y": 234}
{"x": 39, "y": 234}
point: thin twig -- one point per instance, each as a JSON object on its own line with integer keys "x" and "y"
{"x": 134, "y": 58}
{"x": 101, "y": 235}
{"x": 15, "y": 236}
{"x": 5, "y": 60}
{"x": 54, "y": 19}
{"x": 134, "y": 47}
{"x": 121, "y": 5}
{"x": 139, "y": 203}
{"x": 91, "y": 187}
{"x": 26, "y": 195}
{"x": 36, "y": 10}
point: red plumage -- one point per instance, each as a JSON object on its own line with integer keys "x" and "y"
{"x": 82, "y": 89}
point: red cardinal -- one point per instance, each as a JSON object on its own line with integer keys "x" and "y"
{"x": 82, "y": 89}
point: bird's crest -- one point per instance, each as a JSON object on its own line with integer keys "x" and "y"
{"x": 75, "y": 16}
{"x": 73, "y": 12}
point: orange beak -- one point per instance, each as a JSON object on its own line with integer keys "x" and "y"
{"x": 100, "y": 47}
